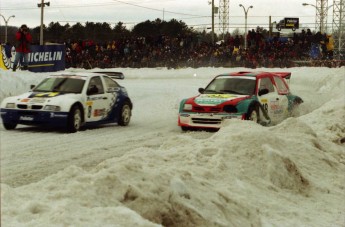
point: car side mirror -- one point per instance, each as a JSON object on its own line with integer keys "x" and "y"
{"x": 201, "y": 90}
{"x": 263, "y": 91}
{"x": 92, "y": 90}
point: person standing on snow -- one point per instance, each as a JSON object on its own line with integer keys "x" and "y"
{"x": 23, "y": 40}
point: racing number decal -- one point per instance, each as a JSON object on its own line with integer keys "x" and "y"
{"x": 89, "y": 108}
{"x": 264, "y": 104}
{"x": 89, "y": 111}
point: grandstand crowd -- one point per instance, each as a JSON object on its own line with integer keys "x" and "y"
{"x": 180, "y": 52}
{"x": 302, "y": 49}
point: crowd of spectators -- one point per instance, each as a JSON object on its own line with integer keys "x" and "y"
{"x": 186, "y": 51}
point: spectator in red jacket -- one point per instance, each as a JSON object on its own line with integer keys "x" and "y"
{"x": 23, "y": 40}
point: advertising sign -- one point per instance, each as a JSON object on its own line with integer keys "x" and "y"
{"x": 42, "y": 58}
{"x": 288, "y": 23}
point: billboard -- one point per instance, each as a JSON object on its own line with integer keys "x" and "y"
{"x": 288, "y": 23}
{"x": 42, "y": 58}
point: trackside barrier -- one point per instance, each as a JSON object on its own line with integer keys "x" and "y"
{"x": 42, "y": 58}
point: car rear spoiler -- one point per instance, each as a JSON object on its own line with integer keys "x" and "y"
{"x": 285, "y": 75}
{"x": 113, "y": 75}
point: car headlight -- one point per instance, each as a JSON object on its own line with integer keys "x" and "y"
{"x": 187, "y": 107}
{"x": 52, "y": 108}
{"x": 10, "y": 105}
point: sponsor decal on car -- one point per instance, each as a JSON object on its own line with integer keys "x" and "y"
{"x": 26, "y": 118}
{"x": 44, "y": 94}
{"x": 37, "y": 100}
{"x": 89, "y": 103}
{"x": 25, "y": 100}
{"x": 58, "y": 115}
{"x": 214, "y": 99}
{"x": 98, "y": 112}
{"x": 221, "y": 96}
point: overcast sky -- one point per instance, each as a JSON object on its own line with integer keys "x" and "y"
{"x": 195, "y": 13}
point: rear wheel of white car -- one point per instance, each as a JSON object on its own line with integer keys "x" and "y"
{"x": 125, "y": 114}
{"x": 253, "y": 114}
{"x": 74, "y": 119}
{"x": 10, "y": 126}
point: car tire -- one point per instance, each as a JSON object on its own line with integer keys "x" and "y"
{"x": 295, "y": 112}
{"x": 253, "y": 114}
{"x": 10, "y": 126}
{"x": 185, "y": 129}
{"x": 74, "y": 119}
{"x": 125, "y": 114}
{"x": 295, "y": 108}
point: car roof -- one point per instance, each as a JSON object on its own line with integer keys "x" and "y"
{"x": 257, "y": 74}
{"x": 80, "y": 74}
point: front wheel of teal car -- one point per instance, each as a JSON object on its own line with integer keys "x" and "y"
{"x": 125, "y": 114}
{"x": 10, "y": 126}
{"x": 74, "y": 119}
{"x": 253, "y": 114}
{"x": 295, "y": 107}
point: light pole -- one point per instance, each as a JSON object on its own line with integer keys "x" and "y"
{"x": 6, "y": 22}
{"x": 245, "y": 24}
{"x": 322, "y": 15}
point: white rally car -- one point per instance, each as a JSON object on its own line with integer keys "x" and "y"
{"x": 70, "y": 100}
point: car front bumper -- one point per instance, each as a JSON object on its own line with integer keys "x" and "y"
{"x": 205, "y": 120}
{"x": 31, "y": 117}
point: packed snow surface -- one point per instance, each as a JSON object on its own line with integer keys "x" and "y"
{"x": 150, "y": 173}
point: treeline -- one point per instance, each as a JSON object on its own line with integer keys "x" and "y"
{"x": 104, "y": 32}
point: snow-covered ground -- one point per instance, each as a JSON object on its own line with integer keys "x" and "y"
{"x": 153, "y": 174}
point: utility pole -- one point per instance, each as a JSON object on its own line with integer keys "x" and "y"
{"x": 212, "y": 22}
{"x": 42, "y": 5}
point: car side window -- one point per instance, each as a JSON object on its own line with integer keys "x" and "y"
{"x": 95, "y": 86}
{"x": 266, "y": 83}
{"x": 282, "y": 88}
{"x": 110, "y": 84}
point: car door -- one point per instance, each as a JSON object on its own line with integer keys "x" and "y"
{"x": 98, "y": 101}
{"x": 271, "y": 101}
{"x": 112, "y": 91}
{"x": 283, "y": 91}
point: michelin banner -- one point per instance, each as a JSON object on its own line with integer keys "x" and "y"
{"x": 48, "y": 58}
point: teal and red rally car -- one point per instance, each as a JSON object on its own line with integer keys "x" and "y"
{"x": 262, "y": 97}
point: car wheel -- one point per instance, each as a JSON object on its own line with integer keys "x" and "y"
{"x": 185, "y": 129}
{"x": 253, "y": 114}
{"x": 295, "y": 110}
{"x": 74, "y": 119}
{"x": 125, "y": 114}
{"x": 10, "y": 126}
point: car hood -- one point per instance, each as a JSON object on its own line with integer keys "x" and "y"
{"x": 41, "y": 97}
{"x": 217, "y": 99}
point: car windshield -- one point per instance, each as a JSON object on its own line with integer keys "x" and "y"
{"x": 60, "y": 84}
{"x": 231, "y": 85}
